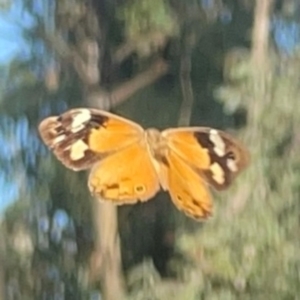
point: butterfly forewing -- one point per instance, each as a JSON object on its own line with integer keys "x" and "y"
{"x": 80, "y": 137}
{"x": 213, "y": 154}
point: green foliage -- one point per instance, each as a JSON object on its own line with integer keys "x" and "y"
{"x": 148, "y": 23}
{"x": 142, "y": 17}
{"x": 249, "y": 250}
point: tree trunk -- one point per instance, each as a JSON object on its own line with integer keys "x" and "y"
{"x": 106, "y": 260}
{"x": 260, "y": 33}
{"x": 260, "y": 56}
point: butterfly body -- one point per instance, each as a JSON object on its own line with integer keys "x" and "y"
{"x": 130, "y": 164}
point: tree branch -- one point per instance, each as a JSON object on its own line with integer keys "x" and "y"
{"x": 99, "y": 97}
{"x": 127, "y": 89}
{"x": 185, "y": 80}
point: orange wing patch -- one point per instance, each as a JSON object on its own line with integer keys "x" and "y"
{"x": 113, "y": 134}
{"x": 187, "y": 147}
{"x": 187, "y": 189}
{"x": 126, "y": 176}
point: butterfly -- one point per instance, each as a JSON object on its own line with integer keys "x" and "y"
{"x": 130, "y": 164}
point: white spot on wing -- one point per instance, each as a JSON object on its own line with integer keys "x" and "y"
{"x": 78, "y": 149}
{"x": 218, "y": 142}
{"x": 218, "y": 173}
{"x": 231, "y": 164}
{"x": 59, "y": 139}
{"x": 78, "y": 121}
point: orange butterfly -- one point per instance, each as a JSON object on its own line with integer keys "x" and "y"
{"x": 130, "y": 164}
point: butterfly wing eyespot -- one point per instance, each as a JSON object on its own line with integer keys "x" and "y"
{"x": 214, "y": 154}
{"x": 139, "y": 189}
{"x": 80, "y": 137}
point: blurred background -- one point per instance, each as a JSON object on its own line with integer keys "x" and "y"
{"x": 228, "y": 64}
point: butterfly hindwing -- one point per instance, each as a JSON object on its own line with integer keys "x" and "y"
{"x": 126, "y": 176}
{"x": 188, "y": 191}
